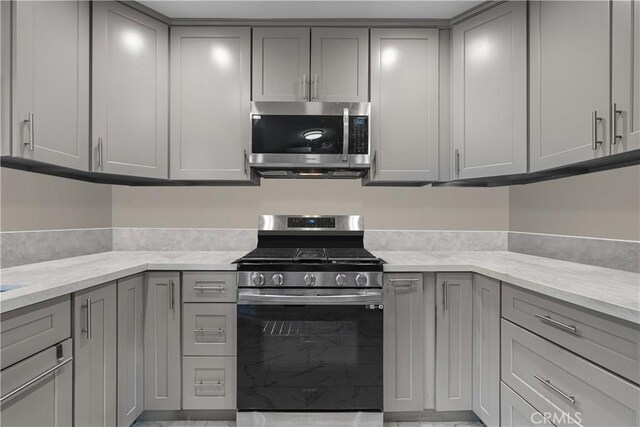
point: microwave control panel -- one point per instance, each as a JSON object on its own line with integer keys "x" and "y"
{"x": 358, "y": 135}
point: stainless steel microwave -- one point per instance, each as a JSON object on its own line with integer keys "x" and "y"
{"x": 310, "y": 139}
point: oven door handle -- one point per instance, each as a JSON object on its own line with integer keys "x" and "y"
{"x": 252, "y": 297}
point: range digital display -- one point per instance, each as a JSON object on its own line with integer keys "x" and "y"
{"x": 303, "y": 222}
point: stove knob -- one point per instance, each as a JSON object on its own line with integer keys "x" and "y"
{"x": 278, "y": 279}
{"x": 257, "y": 279}
{"x": 361, "y": 280}
{"x": 341, "y": 279}
{"x": 309, "y": 279}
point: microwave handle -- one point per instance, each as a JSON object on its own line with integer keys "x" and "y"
{"x": 345, "y": 134}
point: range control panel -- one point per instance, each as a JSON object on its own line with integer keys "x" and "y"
{"x": 358, "y": 135}
{"x": 311, "y": 222}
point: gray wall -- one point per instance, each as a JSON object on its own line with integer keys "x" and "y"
{"x": 31, "y": 201}
{"x": 602, "y": 204}
{"x": 384, "y": 208}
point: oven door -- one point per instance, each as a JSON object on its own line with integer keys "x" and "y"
{"x": 310, "y": 350}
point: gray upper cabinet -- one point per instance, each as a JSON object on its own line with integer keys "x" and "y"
{"x": 625, "y": 82}
{"x": 162, "y": 378}
{"x": 130, "y": 92}
{"x": 486, "y": 350}
{"x": 453, "y": 341}
{"x": 130, "y": 349}
{"x": 281, "y": 64}
{"x": 95, "y": 344}
{"x": 404, "y": 105}
{"x": 490, "y": 93}
{"x": 339, "y": 64}
{"x": 210, "y": 101}
{"x": 403, "y": 342}
{"x": 51, "y": 82}
{"x": 569, "y": 82}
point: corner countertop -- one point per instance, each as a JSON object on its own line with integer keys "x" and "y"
{"x": 612, "y": 292}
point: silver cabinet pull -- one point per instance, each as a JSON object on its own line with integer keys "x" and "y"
{"x": 617, "y": 114}
{"x": 445, "y": 295}
{"x": 548, "y": 319}
{"x": 205, "y": 330}
{"x": 100, "y": 152}
{"x": 594, "y": 132}
{"x": 569, "y": 397}
{"x": 87, "y": 331}
{"x": 315, "y": 86}
{"x": 457, "y": 162}
{"x": 30, "y": 142}
{"x": 172, "y": 300}
{"x": 374, "y": 163}
{"x": 209, "y": 288}
{"x": 34, "y": 380}
{"x": 246, "y": 162}
{"x": 304, "y": 86}
{"x": 409, "y": 279}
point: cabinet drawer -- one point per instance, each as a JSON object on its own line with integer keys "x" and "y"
{"x": 558, "y": 382}
{"x": 516, "y": 412}
{"x": 612, "y": 344}
{"x": 209, "y": 330}
{"x": 28, "y": 330}
{"x": 208, "y": 383}
{"x": 209, "y": 286}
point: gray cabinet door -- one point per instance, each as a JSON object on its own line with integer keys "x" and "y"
{"x": 490, "y": 93}
{"x": 95, "y": 341}
{"x": 210, "y": 103}
{"x": 403, "y": 342}
{"x": 517, "y": 412}
{"x": 625, "y": 81}
{"x": 453, "y": 341}
{"x": 130, "y": 349}
{"x": 162, "y": 341}
{"x": 486, "y": 350}
{"x": 340, "y": 64}
{"x": 209, "y": 382}
{"x": 47, "y": 401}
{"x": 51, "y": 82}
{"x": 569, "y": 82}
{"x": 404, "y": 105}
{"x": 281, "y": 64}
{"x": 130, "y": 92}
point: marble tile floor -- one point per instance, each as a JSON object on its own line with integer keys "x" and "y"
{"x": 233, "y": 424}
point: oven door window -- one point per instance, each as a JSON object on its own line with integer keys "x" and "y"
{"x": 297, "y": 134}
{"x": 312, "y": 358}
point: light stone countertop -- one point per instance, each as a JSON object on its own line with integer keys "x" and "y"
{"x": 612, "y": 292}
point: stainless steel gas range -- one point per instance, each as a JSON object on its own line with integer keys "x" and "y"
{"x": 310, "y": 317}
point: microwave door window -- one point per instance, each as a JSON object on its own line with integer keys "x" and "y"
{"x": 297, "y": 134}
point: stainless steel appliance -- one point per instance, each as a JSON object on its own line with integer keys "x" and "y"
{"x": 310, "y": 318}
{"x": 310, "y": 139}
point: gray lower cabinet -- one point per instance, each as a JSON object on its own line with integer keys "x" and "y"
{"x": 162, "y": 341}
{"x": 129, "y": 92}
{"x": 516, "y": 412}
{"x": 569, "y": 81}
{"x": 45, "y": 381}
{"x": 489, "y": 84}
{"x": 486, "y": 350}
{"x": 210, "y": 102}
{"x": 453, "y": 341}
{"x": 404, "y": 105}
{"x": 130, "y": 349}
{"x": 563, "y": 384}
{"x": 51, "y": 82}
{"x": 281, "y": 64}
{"x": 403, "y": 342}
{"x": 625, "y": 79}
{"x": 95, "y": 356}
{"x": 209, "y": 382}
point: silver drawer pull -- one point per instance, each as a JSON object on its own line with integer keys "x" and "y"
{"x": 549, "y": 320}
{"x": 404, "y": 280}
{"x": 208, "y": 288}
{"x": 34, "y": 380}
{"x": 568, "y": 397}
{"x": 208, "y": 383}
{"x": 204, "y": 330}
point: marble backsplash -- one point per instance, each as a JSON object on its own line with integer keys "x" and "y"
{"x": 17, "y": 248}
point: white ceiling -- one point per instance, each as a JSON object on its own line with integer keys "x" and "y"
{"x": 311, "y": 9}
